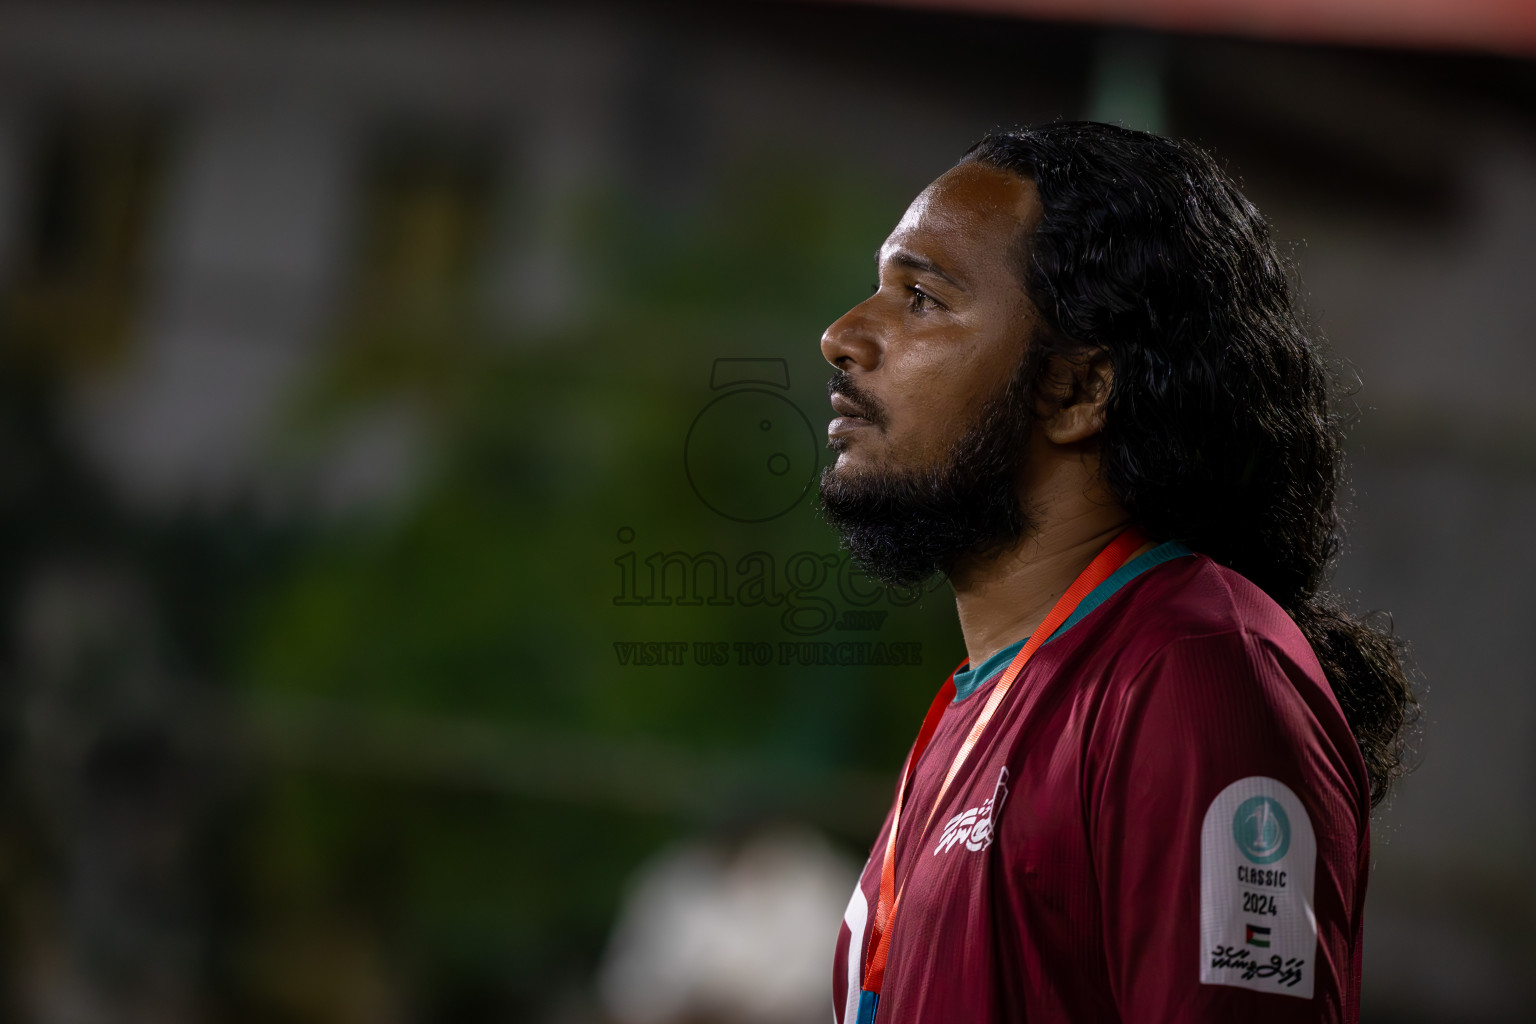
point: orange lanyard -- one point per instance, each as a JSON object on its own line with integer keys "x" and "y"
{"x": 1100, "y": 569}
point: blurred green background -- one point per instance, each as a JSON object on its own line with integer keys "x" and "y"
{"x": 371, "y": 380}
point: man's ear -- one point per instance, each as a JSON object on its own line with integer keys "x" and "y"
{"x": 1074, "y": 391}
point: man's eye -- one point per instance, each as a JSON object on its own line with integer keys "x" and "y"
{"x": 921, "y": 301}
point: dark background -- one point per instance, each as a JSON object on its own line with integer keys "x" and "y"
{"x": 352, "y": 355}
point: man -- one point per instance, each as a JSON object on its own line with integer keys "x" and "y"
{"x": 1082, "y": 392}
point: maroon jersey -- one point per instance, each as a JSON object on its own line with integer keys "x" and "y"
{"x": 1166, "y": 820}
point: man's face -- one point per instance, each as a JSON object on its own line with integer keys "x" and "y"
{"x": 944, "y": 330}
{"x": 933, "y": 387}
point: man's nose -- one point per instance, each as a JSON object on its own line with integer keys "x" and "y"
{"x": 852, "y": 340}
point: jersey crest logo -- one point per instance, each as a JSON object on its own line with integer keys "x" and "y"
{"x": 974, "y": 827}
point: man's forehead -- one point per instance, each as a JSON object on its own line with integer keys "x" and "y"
{"x": 971, "y": 205}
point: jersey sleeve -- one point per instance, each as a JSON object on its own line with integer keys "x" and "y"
{"x": 1228, "y": 825}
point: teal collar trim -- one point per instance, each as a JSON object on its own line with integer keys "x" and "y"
{"x": 968, "y": 681}
{"x": 1121, "y": 576}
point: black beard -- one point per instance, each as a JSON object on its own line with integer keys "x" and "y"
{"x": 901, "y": 527}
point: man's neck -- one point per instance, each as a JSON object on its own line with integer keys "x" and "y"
{"x": 1004, "y": 599}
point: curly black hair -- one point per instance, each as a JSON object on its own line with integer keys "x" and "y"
{"x": 1220, "y": 430}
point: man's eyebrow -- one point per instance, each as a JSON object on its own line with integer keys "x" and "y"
{"x": 907, "y": 258}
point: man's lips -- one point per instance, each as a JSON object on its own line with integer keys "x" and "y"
{"x": 847, "y": 407}
{"x": 851, "y": 416}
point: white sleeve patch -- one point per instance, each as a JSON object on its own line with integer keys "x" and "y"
{"x": 1258, "y": 856}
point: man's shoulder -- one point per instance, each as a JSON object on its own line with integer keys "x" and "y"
{"x": 1195, "y": 601}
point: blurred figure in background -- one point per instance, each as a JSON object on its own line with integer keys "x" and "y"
{"x": 720, "y": 934}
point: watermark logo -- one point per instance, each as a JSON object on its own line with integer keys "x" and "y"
{"x": 807, "y": 594}
{"x": 810, "y": 592}
{"x": 750, "y": 454}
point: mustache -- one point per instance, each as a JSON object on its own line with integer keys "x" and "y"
{"x": 842, "y": 383}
